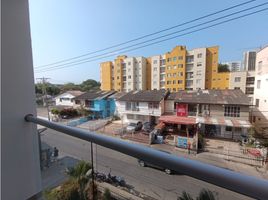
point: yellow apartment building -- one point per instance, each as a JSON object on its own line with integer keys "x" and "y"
{"x": 179, "y": 69}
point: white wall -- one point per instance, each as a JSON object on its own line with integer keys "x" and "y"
{"x": 155, "y": 72}
{"x": 65, "y": 102}
{"x": 199, "y": 71}
{"x": 143, "y": 110}
{"x": 239, "y": 84}
{"x": 261, "y": 92}
{"x": 20, "y": 167}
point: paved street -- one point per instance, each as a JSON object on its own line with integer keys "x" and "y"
{"x": 146, "y": 180}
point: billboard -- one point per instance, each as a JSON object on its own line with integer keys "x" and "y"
{"x": 182, "y": 110}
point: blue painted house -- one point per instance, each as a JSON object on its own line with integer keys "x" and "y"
{"x": 98, "y": 102}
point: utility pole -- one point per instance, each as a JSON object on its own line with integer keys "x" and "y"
{"x": 44, "y": 91}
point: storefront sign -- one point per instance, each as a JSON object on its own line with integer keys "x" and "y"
{"x": 182, "y": 142}
{"x": 182, "y": 110}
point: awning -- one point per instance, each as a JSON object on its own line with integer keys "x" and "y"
{"x": 173, "y": 119}
{"x": 224, "y": 122}
{"x": 160, "y": 126}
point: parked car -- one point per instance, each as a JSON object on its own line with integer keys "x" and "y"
{"x": 147, "y": 164}
{"x": 148, "y": 127}
{"x": 134, "y": 126}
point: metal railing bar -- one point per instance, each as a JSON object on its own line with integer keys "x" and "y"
{"x": 240, "y": 183}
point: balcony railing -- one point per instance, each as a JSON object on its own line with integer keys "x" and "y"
{"x": 243, "y": 184}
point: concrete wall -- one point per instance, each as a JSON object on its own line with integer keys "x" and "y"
{"x": 234, "y": 83}
{"x": 155, "y": 73}
{"x": 20, "y": 166}
{"x": 260, "y": 92}
{"x": 217, "y": 111}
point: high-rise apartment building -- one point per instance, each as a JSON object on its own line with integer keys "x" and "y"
{"x": 234, "y": 66}
{"x": 249, "y": 60}
{"x": 179, "y": 69}
{"x": 260, "y": 90}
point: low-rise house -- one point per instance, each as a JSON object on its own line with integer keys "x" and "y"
{"x": 98, "y": 102}
{"x": 146, "y": 105}
{"x": 221, "y": 113}
{"x": 67, "y": 98}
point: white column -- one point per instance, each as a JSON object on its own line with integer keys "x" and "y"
{"x": 20, "y": 169}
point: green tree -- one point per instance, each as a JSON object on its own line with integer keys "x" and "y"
{"x": 89, "y": 84}
{"x": 223, "y": 68}
{"x": 204, "y": 194}
{"x": 70, "y": 86}
{"x": 107, "y": 194}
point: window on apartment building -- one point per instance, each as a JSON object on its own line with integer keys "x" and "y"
{"x": 190, "y": 59}
{"x": 180, "y": 81}
{"x": 199, "y": 55}
{"x": 174, "y": 67}
{"x": 129, "y": 83}
{"x": 250, "y": 80}
{"x": 174, "y": 82}
{"x": 153, "y": 105}
{"x": 117, "y": 77}
{"x": 174, "y": 74}
{"x": 259, "y": 65}
{"x": 129, "y": 77}
{"x": 168, "y": 59}
{"x": 237, "y": 88}
{"x": 198, "y": 81}
{"x": 155, "y": 62}
{"x": 237, "y": 79}
{"x": 214, "y": 79}
{"x": 174, "y": 58}
{"x": 155, "y": 68}
{"x": 128, "y": 105}
{"x": 124, "y": 78}
{"x": 129, "y": 63}
{"x": 162, "y": 62}
{"x": 162, "y": 69}
{"x": 198, "y": 72}
{"x": 180, "y": 57}
{"x": 180, "y": 73}
{"x": 199, "y": 64}
{"x": 258, "y": 84}
{"x": 118, "y": 71}
{"x": 232, "y": 111}
{"x": 168, "y": 67}
{"x": 180, "y": 65}
{"x": 162, "y": 76}
{"x": 250, "y": 90}
{"x": 168, "y": 82}
{"x": 228, "y": 128}
{"x": 257, "y": 103}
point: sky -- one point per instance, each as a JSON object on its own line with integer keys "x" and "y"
{"x": 63, "y": 29}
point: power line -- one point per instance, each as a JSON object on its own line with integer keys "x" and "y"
{"x": 163, "y": 36}
{"x": 151, "y": 34}
{"x": 187, "y": 33}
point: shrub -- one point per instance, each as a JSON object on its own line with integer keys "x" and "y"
{"x": 69, "y": 190}
{"x": 55, "y": 111}
{"x": 107, "y": 194}
{"x": 70, "y": 112}
{"x": 80, "y": 169}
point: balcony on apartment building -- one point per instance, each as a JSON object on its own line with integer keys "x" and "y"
{"x": 189, "y": 59}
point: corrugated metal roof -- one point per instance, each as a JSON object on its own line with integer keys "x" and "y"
{"x": 95, "y": 94}
{"x": 145, "y": 96}
{"x": 233, "y": 97}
